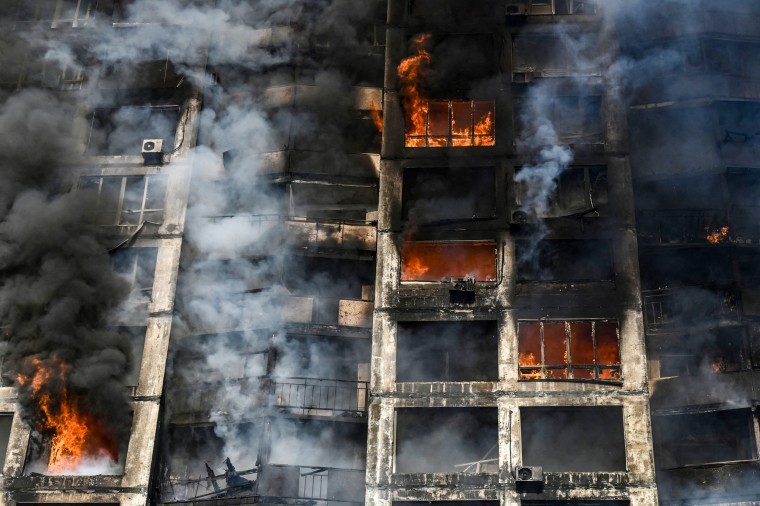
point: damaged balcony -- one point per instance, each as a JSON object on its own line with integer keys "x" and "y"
{"x": 321, "y": 376}
{"x": 329, "y": 292}
{"x": 668, "y": 310}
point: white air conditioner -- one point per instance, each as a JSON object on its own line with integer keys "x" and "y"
{"x": 529, "y": 473}
{"x": 153, "y": 151}
{"x": 515, "y": 9}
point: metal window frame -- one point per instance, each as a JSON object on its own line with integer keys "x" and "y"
{"x": 450, "y": 136}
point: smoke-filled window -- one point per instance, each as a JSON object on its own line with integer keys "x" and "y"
{"x": 575, "y": 119}
{"x": 719, "y": 350}
{"x": 157, "y": 73}
{"x": 55, "y": 13}
{"x": 120, "y": 131}
{"x": 453, "y": 123}
{"x": 137, "y": 266}
{"x": 127, "y": 200}
{"x": 573, "y": 439}
{"x": 447, "y": 440}
{"x": 704, "y": 438}
{"x": 447, "y": 260}
{"x": 447, "y": 351}
{"x": 576, "y": 191}
{"x": 454, "y": 193}
{"x": 564, "y": 260}
{"x": 572, "y": 350}
{"x": 552, "y": 56}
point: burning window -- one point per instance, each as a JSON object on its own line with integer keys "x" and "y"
{"x": 127, "y": 200}
{"x": 121, "y": 131}
{"x": 573, "y": 439}
{"x": 445, "y": 260}
{"x": 444, "y": 123}
{"x": 575, "y": 119}
{"x": 447, "y": 351}
{"x": 447, "y": 440}
{"x": 569, "y": 350}
{"x": 564, "y": 260}
{"x": 454, "y": 193}
{"x": 704, "y": 438}
{"x": 137, "y": 266}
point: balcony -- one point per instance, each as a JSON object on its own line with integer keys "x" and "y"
{"x": 683, "y": 226}
{"x": 669, "y": 310}
{"x": 320, "y": 397}
{"x": 314, "y": 234}
{"x": 312, "y": 483}
{"x": 327, "y": 311}
{"x": 705, "y": 389}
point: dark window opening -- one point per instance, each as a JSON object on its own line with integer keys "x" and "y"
{"x": 447, "y": 440}
{"x": 446, "y": 503}
{"x": 722, "y": 350}
{"x": 551, "y": 56}
{"x": 704, "y": 438}
{"x": 577, "y": 502}
{"x": 6, "y": 424}
{"x": 446, "y": 260}
{"x": 569, "y": 350}
{"x": 127, "y": 200}
{"x": 442, "y": 194}
{"x": 684, "y": 267}
{"x": 573, "y": 439}
{"x": 447, "y": 351}
{"x": 575, "y": 119}
{"x": 578, "y": 191}
{"x": 158, "y": 73}
{"x": 137, "y": 266}
{"x": 327, "y": 277}
{"x": 564, "y": 260}
{"x": 136, "y": 338}
{"x": 121, "y": 131}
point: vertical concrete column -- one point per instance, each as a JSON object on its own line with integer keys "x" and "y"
{"x": 380, "y": 446}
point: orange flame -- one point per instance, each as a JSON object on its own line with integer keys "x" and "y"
{"x": 412, "y": 73}
{"x": 441, "y": 260}
{"x": 528, "y": 359}
{"x": 716, "y": 236}
{"x": 377, "y": 116}
{"x": 75, "y": 433}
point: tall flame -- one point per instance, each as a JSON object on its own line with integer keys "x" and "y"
{"x": 412, "y": 72}
{"x": 75, "y": 434}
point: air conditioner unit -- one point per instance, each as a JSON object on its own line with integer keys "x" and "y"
{"x": 516, "y": 9}
{"x": 153, "y": 151}
{"x": 521, "y": 217}
{"x": 529, "y": 474}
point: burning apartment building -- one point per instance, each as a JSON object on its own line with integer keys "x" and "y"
{"x": 382, "y": 252}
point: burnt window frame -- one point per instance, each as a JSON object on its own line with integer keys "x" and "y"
{"x": 449, "y": 136}
{"x": 592, "y": 176}
{"x": 119, "y": 212}
{"x": 138, "y": 262}
{"x": 569, "y": 367}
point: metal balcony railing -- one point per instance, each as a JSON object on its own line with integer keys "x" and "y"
{"x": 320, "y": 396}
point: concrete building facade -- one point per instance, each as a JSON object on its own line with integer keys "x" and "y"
{"x": 411, "y": 251}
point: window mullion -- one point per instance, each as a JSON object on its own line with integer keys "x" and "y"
{"x": 543, "y": 363}
{"x": 569, "y": 360}
{"x": 593, "y": 344}
{"x": 120, "y": 206}
{"x": 144, "y": 201}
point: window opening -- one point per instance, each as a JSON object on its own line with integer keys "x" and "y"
{"x": 127, "y": 200}
{"x": 454, "y": 123}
